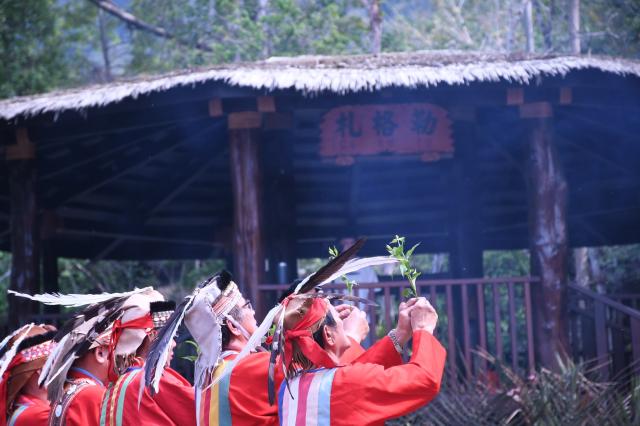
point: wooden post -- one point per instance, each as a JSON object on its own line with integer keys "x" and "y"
{"x": 548, "y": 234}
{"x": 246, "y": 182}
{"x": 465, "y": 231}
{"x": 24, "y": 230}
{"x": 279, "y": 195}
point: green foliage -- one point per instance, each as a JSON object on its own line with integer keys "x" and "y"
{"x": 47, "y": 44}
{"x": 333, "y": 253}
{"x": 406, "y": 269}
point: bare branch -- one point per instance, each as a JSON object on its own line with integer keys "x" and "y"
{"x": 113, "y": 9}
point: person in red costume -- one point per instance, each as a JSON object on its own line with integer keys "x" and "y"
{"x": 320, "y": 390}
{"x": 126, "y": 401}
{"x": 23, "y": 402}
{"x": 76, "y": 402}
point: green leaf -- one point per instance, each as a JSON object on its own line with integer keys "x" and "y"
{"x": 407, "y": 292}
{"x": 410, "y": 252}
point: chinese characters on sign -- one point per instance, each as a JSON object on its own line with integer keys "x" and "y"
{"x": 421, "y": 129}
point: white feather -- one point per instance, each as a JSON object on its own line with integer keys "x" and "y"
{"x": 76, "y": 300}
{"x": 8, "y": 356}
{"x": 254, "y": 341}
{"x": 52, "y": 359}
{"x": 63, "y": 368}
{"x": 352, "y": 266}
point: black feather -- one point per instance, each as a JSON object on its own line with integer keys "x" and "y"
{"x": 223, "y": 278}
{"x": 162, "y": 340}
{"x": 35, "y": 340}
{"x": 331, "y": 267}
{"x": 162, "y": 306}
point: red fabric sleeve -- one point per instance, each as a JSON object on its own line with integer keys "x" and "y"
{"x": 176, "y": 398}
{"x": 34, "y": 415}
{"x": 368, "y": 394}
{"x": 354, "y": 351}
{"x": 84, "y": 409}
{"x": 382, "y": 352}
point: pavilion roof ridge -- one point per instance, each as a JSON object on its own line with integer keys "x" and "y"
{"x": 311, "y": 74}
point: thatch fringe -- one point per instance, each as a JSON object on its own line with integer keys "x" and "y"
{"x": 338, "y": 74}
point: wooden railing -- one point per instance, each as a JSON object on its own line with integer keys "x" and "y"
{"x": 486, "y": 314}
{"x": 604, "y": 330}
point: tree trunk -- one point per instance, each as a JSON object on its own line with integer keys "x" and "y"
{"x": 528, "y": 25}
{"x": 574, "y": 26}
{"x": 375, "y": 17}
{"x": 104, "y": 44}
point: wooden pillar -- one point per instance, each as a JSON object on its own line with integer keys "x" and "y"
{"x": 246, "y": 181}
{"x": 24, "y": 230}
{"x": 465, "y": 236}
{"x": 547, "y": 189}
{"x": 279, "y": 195}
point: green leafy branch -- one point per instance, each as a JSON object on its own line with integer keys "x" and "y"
{"x": 192, "y": 358}
{"x": 407, "y": 271}
{"x": 333, "y": 253}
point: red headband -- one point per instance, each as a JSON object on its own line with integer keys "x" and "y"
{"x": 302, "y": 335}
{"x": 118, "y": 327}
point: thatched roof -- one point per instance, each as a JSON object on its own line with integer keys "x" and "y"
{"x": 338, "y": 74}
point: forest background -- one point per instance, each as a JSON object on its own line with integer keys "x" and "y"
{"x": 56, "y": 44}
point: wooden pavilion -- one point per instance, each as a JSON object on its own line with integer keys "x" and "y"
{"x": 271, "y": 161}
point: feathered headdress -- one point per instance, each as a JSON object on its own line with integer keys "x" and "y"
{"x": 22, "y": 353}
{"x": 203, "y": 312}
{"x": 340, "y": 265}
{"x": 121, "y": 320}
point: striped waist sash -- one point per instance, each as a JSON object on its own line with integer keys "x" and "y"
{"x": 309, "y": 401}
{"x": 212, "y": 404}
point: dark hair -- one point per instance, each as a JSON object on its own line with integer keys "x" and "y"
{"x": 226, "y": 333}
{"x": 328, "y": 321}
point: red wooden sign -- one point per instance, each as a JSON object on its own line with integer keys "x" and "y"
{"x": 416, "y": 128}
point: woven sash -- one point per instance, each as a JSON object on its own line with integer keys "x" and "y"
{"x": 309, "y": 402}
{"x": 112, "y": 408}
{"x": 212, "y": 404}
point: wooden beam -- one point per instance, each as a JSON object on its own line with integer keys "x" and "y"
{"x": 515, "y": 96}
{"x": 23, "y": 149}
{"x": 566, "y": 96}
{"x": 536, "y": 110}
{"x": 246, "y": 182}
{"x": 124, "y": 166}
{"x": 244, "y": 120}
{"x": 277, "y": 121}
{"x": 215, "y": 107}
{"x": 266, "y": 104}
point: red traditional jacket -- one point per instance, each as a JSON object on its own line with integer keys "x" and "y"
{"x": 173, "y": 405}
{"x": 243, "y": 399}
{"x": 80, "y": 403}
{"x": 365, "y": 393}
{"x": 29, "y": 411}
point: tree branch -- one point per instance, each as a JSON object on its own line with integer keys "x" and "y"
{"x": 113, "y": 9}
